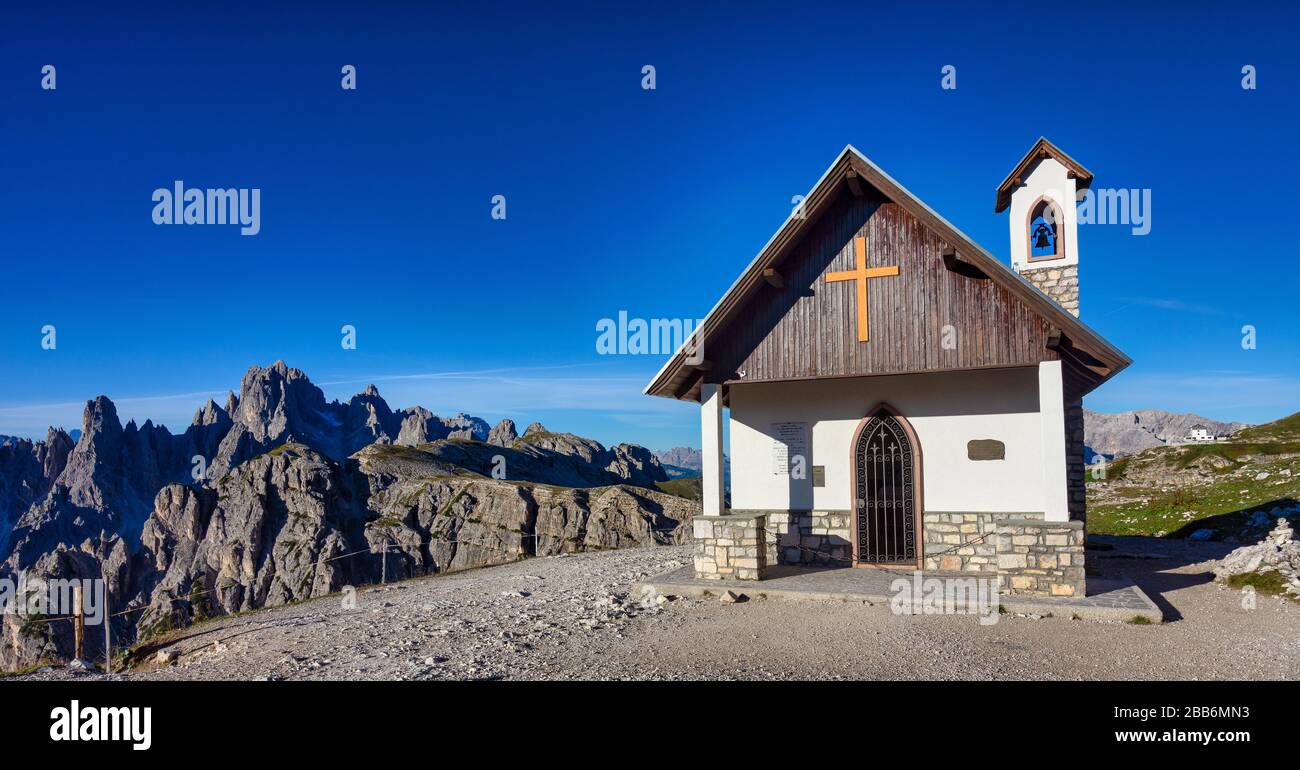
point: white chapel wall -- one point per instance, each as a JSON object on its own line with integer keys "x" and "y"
{"x": 947, "y": 410}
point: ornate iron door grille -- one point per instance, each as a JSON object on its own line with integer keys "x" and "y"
{"x": 885, "y": 513}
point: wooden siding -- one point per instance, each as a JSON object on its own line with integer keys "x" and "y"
{"x": 807, "y": 328}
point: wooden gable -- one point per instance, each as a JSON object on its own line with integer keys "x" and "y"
{"x": 782, "y": 319}
{"x": 807, "y": 328}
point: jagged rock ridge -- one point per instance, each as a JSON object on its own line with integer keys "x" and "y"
{"x": 255, "y": 502}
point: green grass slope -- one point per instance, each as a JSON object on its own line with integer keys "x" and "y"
{"x": 1175, "y": 491}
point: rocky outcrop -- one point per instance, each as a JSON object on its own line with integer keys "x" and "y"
{"x": 369, "y": 420}
{"x": 636, "y": 464}
{"x": 561, "y": 459}
{"x": 210, "y": 425}
{"x": 105, "y": 486}
{"x": 1277, "y": 552}
{"x": 463, "y": 426}
{"x": 420, "y": 426}
{"x": 26, "y": 639}
{"x": 266, "y": 535}
{"x": 434, "y": 521}
{"x": 23, "y": 481}
{"x": 503, "y": 434}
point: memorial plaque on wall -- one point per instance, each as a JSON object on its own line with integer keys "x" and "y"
{"x": 986, "y": 449}
{"x": 788, "y": 440}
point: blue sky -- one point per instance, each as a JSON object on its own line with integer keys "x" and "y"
{"x": 375, "y": 207}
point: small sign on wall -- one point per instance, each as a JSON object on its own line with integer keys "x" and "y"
{"x": 789, "y": 440}
{"x": 819, "y": 475}
{"x": 986, "y": 449}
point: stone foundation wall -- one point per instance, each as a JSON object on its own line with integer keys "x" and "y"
{"x": 1028, "y": 555}
{"x": 810, "y": 537}
{"x": 1040, "y": 557}
{"x": 733, "y": 546}
{"x": 1059, "y": 283}
{"x": 963, "y": 542}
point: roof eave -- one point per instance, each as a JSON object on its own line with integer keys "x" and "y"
{"x": 1043, "y": 145}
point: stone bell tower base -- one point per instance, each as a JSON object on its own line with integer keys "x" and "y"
{"x": 1061, "y": 283}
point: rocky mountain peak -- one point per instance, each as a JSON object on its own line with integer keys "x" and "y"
{"x": 210, "y": 414}
{"x": 272, "y": 398}
{"x": 58, "y": 445}
{"x": 503, "y": 433}
{"x": 99, "y": 418}
{"x": 466, "y": 426}
{"x": 276, "y": 402}
{"x": 101, "y": 433}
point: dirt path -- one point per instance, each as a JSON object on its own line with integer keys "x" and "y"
{"x": 571, "y": 618}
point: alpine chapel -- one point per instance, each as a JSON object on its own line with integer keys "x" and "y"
{"x": 895, "y": 395}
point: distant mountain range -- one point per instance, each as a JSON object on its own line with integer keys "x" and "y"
{"x": 280, "y": 495}
{"x": 684, "y": 461}
{"x": 1125, "y": 433}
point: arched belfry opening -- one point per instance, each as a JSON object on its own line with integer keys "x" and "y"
{"x": 1044, "y": 231}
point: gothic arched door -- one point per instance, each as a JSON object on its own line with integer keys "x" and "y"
{"x": 886, "y": 463}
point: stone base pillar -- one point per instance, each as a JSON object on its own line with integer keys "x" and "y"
{"x": 731, "y": 547}
{"x": 1059, "y": 283}
{"x": 1041, "y": 557}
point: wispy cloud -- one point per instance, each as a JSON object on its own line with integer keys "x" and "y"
{"x": 1173, "y": 305}
{"x": 1220, "y": 395}
{"x": 465, "y": 374}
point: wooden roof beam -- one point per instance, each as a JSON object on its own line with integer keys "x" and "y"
{"x": 955, "y": 264}
{"x": 855, "y": 183}
{"x": 1064, "y": 347}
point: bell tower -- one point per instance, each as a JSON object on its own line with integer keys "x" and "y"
{"x": 1041, "y": 192}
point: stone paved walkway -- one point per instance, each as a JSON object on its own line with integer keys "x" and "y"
{"x": 1110, "y": 599}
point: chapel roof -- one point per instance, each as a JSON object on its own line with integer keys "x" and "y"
{"x": 680, "y": 378}
{"x": 1041, "y": 149}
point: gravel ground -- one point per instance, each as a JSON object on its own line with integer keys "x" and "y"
{"x": 572, "y": 618}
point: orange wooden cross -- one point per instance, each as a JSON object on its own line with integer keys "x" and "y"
{"x": 861, "y": 273}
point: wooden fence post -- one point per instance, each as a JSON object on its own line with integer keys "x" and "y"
{"x": 108, "y": 632}
{"x": 78, "y": 621}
